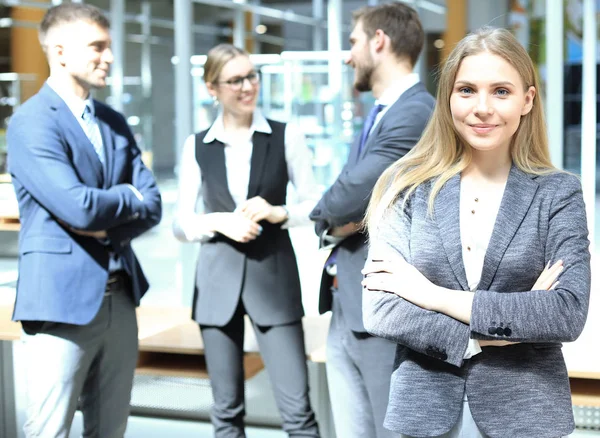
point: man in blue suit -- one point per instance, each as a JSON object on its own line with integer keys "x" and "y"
{"x": 83, "y": 194}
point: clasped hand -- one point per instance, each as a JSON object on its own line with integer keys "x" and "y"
{"x": 242, "y": 225}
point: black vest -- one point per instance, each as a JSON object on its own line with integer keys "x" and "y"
{"x": 264, "y": 271}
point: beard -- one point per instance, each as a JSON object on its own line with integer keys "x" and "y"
{"x": 363, "y": 75}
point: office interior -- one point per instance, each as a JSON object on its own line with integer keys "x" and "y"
{"x": 299, "y": 47}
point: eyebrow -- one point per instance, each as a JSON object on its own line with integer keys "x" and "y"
{"x": 99, "y": 42}
{"x": 495, "y": 84}
{"x": 236, "y": 77}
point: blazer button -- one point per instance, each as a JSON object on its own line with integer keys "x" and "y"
{"x": 443, "y": 356}
{"x": 500, "y": 331}
{"x": 492, "y": 330}
{"x": 507, "y": 332}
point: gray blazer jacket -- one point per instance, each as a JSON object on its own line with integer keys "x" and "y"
{"x": 346, "y": 200}
{"x": 518, "y": 391}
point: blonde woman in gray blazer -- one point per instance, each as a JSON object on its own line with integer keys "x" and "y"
{"x": 479, "y": 263}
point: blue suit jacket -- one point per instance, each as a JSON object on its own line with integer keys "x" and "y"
{"x": 61, "y": 183}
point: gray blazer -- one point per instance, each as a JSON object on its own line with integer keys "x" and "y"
{"x": 346, "y": 200}
{"x": 518, "y": 391}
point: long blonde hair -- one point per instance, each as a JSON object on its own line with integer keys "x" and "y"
{"x": 441, "y": 153}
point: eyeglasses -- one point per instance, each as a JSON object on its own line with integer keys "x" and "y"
{"x": 236, "y": 84}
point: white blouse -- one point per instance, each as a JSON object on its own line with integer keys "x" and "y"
{"x": 189, "y": 220}
{"x": 478, "y": 211}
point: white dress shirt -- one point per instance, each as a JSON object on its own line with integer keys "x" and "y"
{"x": 393, "y": 93}
{"x": 75, "y": 103}
{"x": 478, "y": 211}
{"x": 189, "y": 222}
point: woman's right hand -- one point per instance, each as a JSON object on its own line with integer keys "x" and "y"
{"x": 547, "y": 279}
{"x": 236, "y": 227}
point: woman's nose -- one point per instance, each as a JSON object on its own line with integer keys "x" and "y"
{"x": 482, "y": 106}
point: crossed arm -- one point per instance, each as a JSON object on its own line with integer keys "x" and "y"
{"x": 400, "y": 304}
{"x": 343, "y": 205}
{"x": 40, "y": 163}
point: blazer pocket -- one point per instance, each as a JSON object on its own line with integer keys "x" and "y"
{"x": 53, "y": 245}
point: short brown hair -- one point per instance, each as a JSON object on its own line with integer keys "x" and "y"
{"x": 67, "y": 13}
{"x": 398, "y": 21}
{"x": 216, "y": 59}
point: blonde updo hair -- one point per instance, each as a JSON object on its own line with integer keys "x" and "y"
{"x": 216, "y": 59}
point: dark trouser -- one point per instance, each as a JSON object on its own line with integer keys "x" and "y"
{"x": 282, "y": 351}
{"x": 359, "y": 370}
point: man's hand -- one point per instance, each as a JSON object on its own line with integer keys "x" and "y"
{"x": 95, "y": 234}
{"x": 345, "y": 230}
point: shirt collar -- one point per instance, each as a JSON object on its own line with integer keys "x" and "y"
{"x": 217, "y": 130}
{"x": 74, "y": 102}
{"x": 397, "y": 89}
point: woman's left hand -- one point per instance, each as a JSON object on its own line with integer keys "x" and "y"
{"x": 257, "y": 209}
{"x": 395, "y": 275}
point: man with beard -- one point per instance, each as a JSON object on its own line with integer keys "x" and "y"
{"x": 385, "y": 44}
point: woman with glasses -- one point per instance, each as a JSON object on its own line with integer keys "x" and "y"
{"x": 237, "y": 173}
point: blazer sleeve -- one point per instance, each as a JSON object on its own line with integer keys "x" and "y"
{"x": 143, "y": 180}
{"x": 347, "y": 199}
{"x": 558, "y": 315}
{"x": 39, "y": 160}
{"x": 388, "y": 316}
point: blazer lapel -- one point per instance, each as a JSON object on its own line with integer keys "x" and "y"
{"x": 518, "y": 195}
{"x": 260, "y": 149}
{"x": 447, "y": 216}
{"x": 82, "y": 142}
{"x": 107, "y": 141}
{"x": 108, "y": 145}
{"x": 394, "y": 109}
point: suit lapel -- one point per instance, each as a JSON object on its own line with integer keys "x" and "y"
{"x": 395, "y": 108}
{"x": 74, "y": 133}
{"x": 108, "y": 145}
{"x": 260, "y": 149}
{"x": 518, "y": 195}
{"x": 447, "y": 217}
{"x": 74, "y": 130}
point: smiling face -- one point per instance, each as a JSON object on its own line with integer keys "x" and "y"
{"x": 82, "y": 49}
{"x": 361, "y": 58}
{"x": 240, "y": 101}
{"x": 487, "y": 102}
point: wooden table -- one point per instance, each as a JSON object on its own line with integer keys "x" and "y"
{"x": 9, "y": 223}
{"x": 170, "y": 345}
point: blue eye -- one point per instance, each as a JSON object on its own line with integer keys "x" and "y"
{"x": 465, "y": 90}
{"x": 502, "y": 92}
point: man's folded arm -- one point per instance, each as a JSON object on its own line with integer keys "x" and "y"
{"x": 39, "y": 161}
{"x": 143, "y": 181}
{"x": 347, "y": 199}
